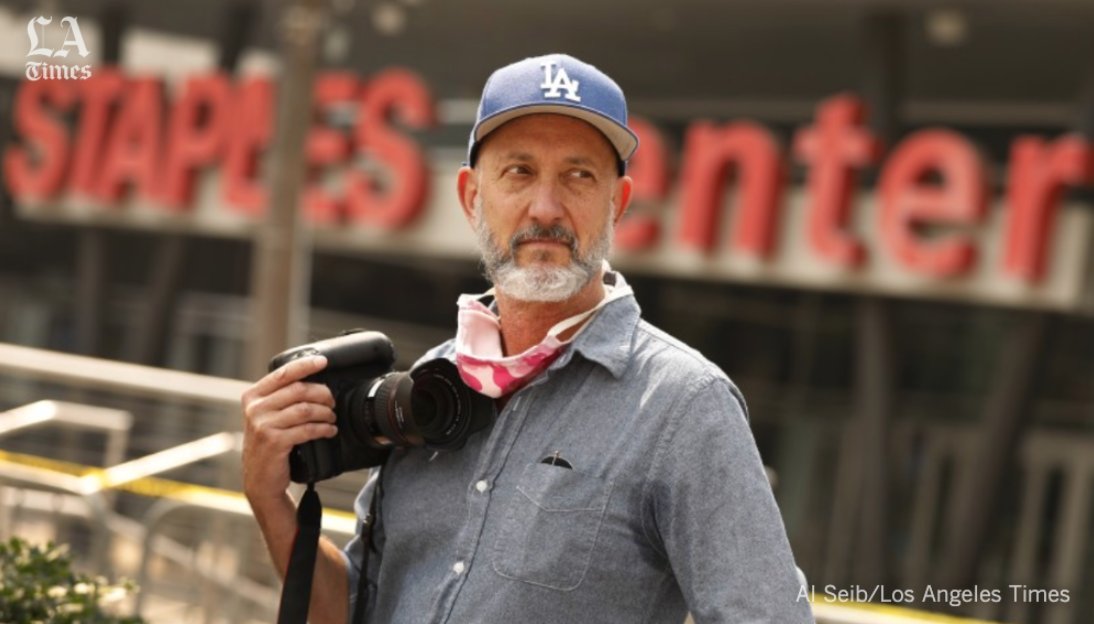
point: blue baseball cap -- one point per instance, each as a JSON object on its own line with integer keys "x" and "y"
{"x": 559, "y": 84}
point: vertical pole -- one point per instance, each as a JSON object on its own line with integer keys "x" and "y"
{"x": 279, "y": 260}
{"x": 92, "y": 253}
{"x": 88, "y": 300}
{"x": 1002, "y": 426}
{"x": 874, "y": 369}
{"x": 873, "y": 381}
{"x": 858, "y": 530}
{"x": 164, "y": 278}
{"x": 884, "y": 72}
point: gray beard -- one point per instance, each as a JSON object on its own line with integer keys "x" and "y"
{"x": 540, "y": 283}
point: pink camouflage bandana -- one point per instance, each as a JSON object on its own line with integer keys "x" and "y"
{"x": 479, "y": 356}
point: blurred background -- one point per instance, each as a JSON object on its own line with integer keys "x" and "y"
{"x": 875, "y": 215}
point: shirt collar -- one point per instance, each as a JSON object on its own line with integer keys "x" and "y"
{"x": 608, "y": 338}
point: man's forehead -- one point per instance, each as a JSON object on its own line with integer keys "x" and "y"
{"x": 522, "y": 155}
{"x": 514, "y": 139}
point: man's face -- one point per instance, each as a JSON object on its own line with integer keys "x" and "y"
{"x": 544, "y": 196}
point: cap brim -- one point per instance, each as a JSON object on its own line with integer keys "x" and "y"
{"x": 622, "y": 139}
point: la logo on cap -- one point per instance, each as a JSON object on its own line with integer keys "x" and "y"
{"x": 561, "y": 80}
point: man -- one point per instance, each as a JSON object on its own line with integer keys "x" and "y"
{"x": 619, "y": 481}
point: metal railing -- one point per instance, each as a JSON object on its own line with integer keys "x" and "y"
{"x": 31, "y": 483}
{"x": 97, "y": 374}
{"x": 1045, "y": 460}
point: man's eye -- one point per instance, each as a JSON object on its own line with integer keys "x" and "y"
{"x": 517, "y": 170}
{"x": 583, "y": 174}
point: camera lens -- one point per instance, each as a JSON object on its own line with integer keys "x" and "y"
{"x": 436, "y": 409}
{"x": 445, "y": 409}
{"x": 389, "y": 411}
{"x": 429, "y": 406}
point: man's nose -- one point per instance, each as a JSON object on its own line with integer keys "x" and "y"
{"x": 546, "y": 206}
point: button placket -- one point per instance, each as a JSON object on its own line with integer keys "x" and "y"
{"x": 493, "y": 455}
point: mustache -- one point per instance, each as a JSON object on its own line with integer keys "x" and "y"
{"x": 555, "y": 233}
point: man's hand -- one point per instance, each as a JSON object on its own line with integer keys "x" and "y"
{"x": 279, "y": 412}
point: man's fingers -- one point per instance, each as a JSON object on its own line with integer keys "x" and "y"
{"x": 296, "y": 415}
{"x": 273, "y": 443}
{"x": 287, "y": 374}
{"x": 284, "y": 439}
{"x": 309, "y": 432}
{"x": 296, "y": 392}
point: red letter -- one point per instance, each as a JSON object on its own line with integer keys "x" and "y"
{"x": 133, "y": 149}
{"x": 1039, "y": 172}
{"x": 833, "y": 147}
{"x": 397, "y": 201}
{"x": 36, "y": 169}
{"x": 199, "y": 123}
{"x": 908, "y": 201}
{"x": 248, "y": 136}
{"x": 327, "y": 146}
{"x": 650, "y": 169}
{"x": 99, "y": 96}
{"x": 711, "y": 156}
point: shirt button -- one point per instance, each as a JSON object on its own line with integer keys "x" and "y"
{"x": 459, "y": 567}
{"x": 482, "y": 486}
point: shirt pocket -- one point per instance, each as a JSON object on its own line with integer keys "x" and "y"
{"x": 550, "y": 527}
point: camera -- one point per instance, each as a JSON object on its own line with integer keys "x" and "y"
{"x": 378, "y": 409}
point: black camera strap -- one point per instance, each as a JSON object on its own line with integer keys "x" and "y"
{"x": 366, "y": 546}
{"x": 296, "y": 591}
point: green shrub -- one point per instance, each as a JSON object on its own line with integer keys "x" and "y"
{"x": 38, "y": 585}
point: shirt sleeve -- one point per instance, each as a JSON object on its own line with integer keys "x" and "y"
{"x": 714, "y": 514}
{"x": 354, "y": 550}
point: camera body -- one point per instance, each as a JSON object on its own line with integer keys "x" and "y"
{"x": 377, "y": 409}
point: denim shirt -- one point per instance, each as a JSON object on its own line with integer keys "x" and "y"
{"x": 658, "y": 506}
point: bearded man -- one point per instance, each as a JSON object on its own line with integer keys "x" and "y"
{"x": 619, "y": 481}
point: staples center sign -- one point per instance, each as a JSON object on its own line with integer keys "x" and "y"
{"x": 126, "y": 150}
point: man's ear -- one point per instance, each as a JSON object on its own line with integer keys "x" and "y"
{"x": 621, "y": 199}
{"x": 467, "y": 185}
